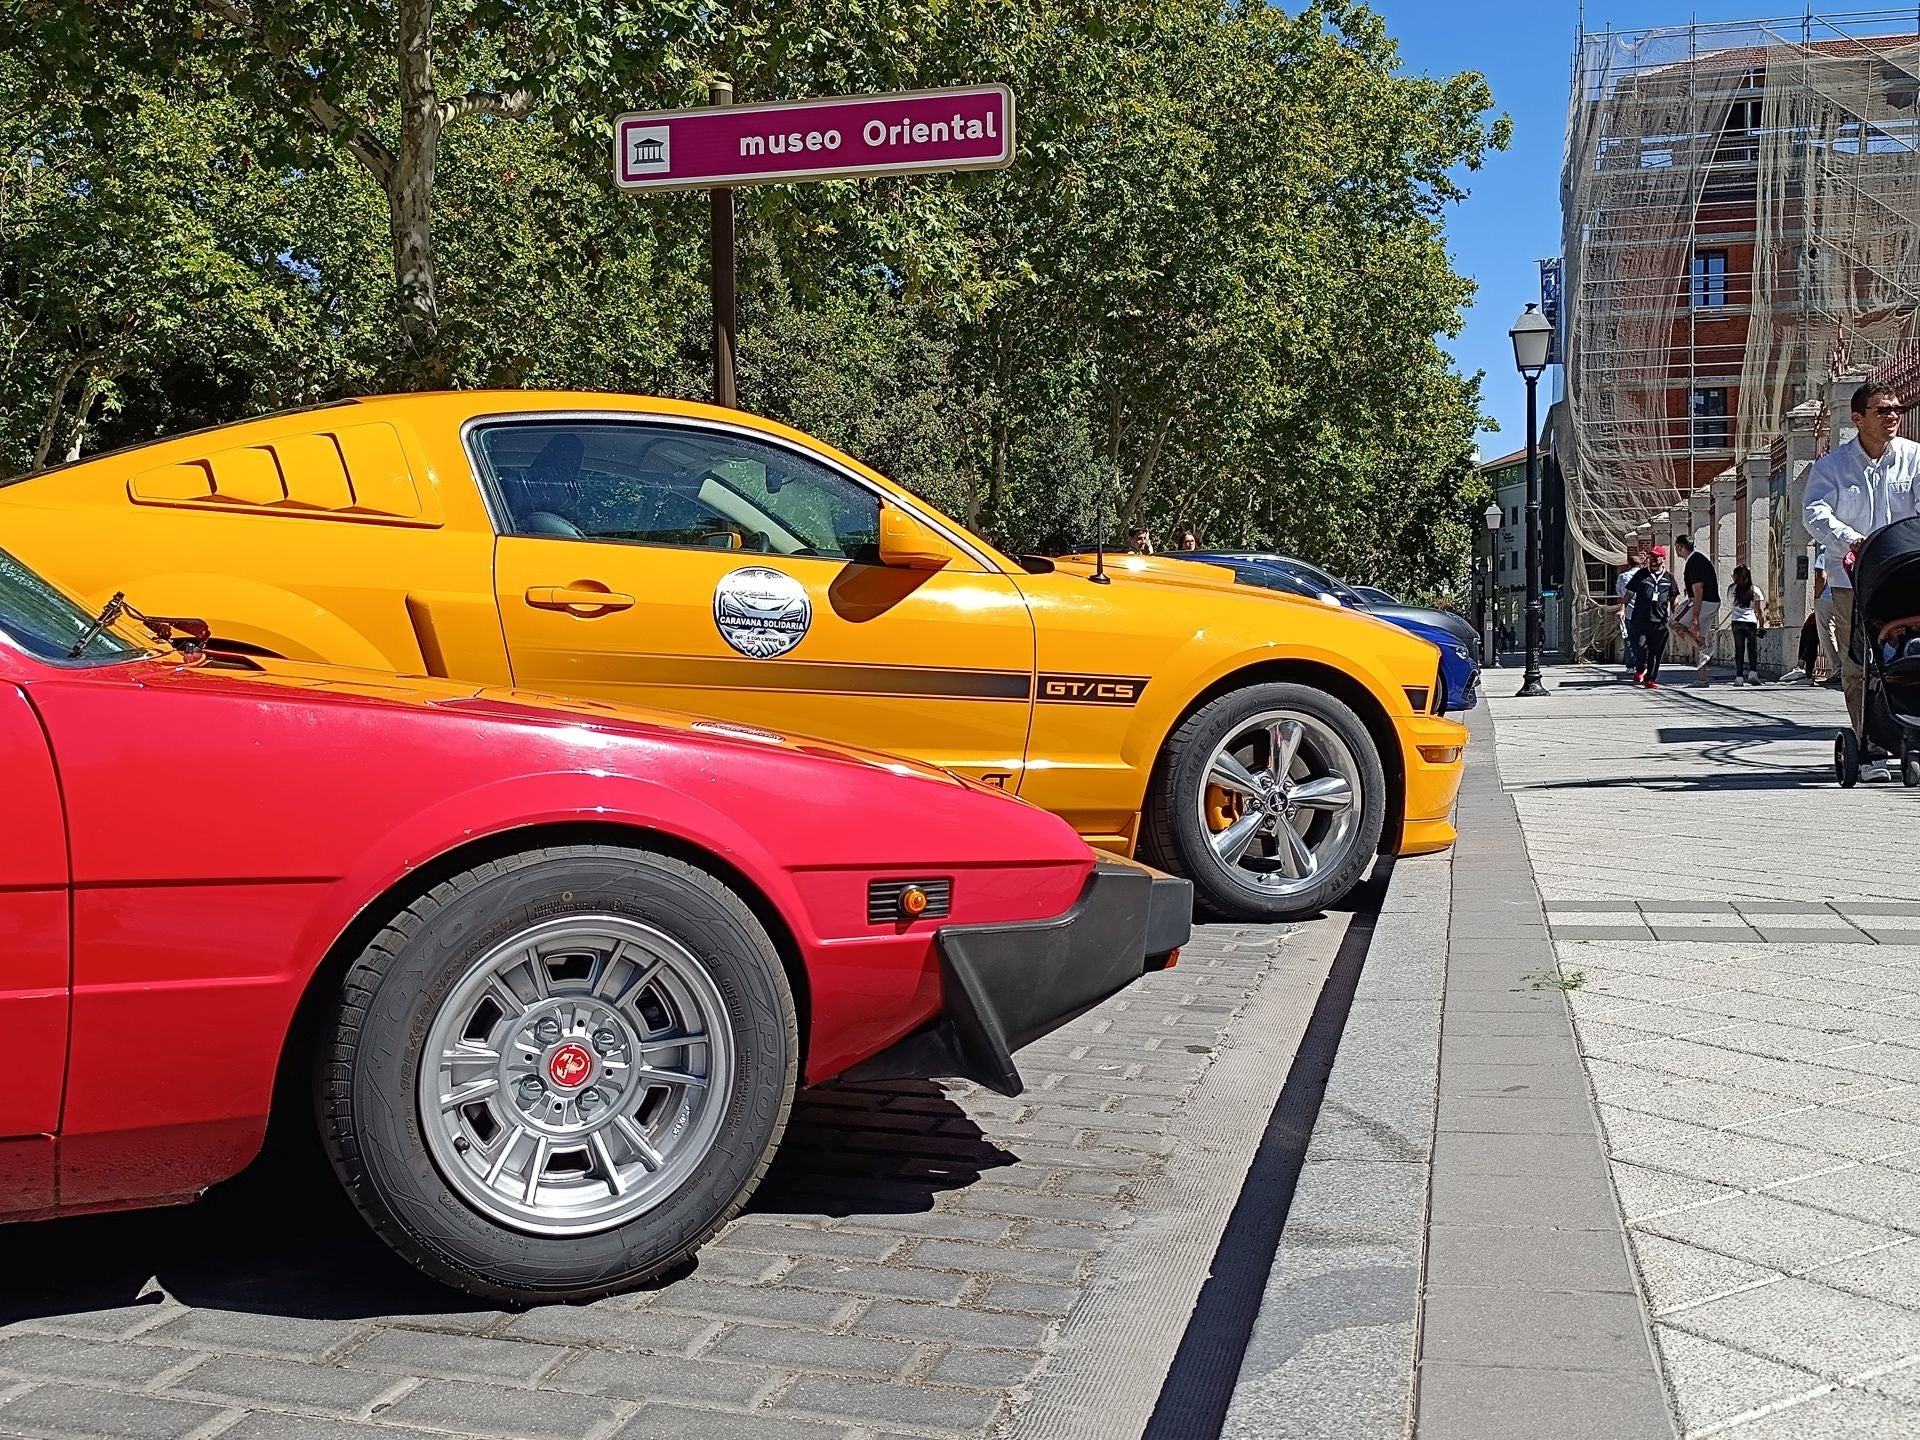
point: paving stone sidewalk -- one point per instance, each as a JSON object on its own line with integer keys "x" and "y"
{"x": 924, "y": 1260}
{"x": 1741, "y": 939}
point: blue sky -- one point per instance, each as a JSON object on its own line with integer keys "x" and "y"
{"x": 1512, "y": 219}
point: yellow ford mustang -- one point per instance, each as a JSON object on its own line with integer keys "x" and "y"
{"x": 704, "y": 560}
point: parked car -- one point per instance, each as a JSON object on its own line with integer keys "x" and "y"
{"x": 1373, "y": 595}
{"x": 546, "y": 972}
{"x": 624, "y": 548}
{"x": 1459, "y": 669}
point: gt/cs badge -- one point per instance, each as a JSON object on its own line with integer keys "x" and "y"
{"x": 1091, "y": 689}
{"x": 761, "y": 613}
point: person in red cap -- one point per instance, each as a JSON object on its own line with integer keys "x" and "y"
{"x": 1650, "y": 596}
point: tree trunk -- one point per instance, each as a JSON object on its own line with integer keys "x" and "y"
{"x": 56, "y": 404}
{"x": 409, "y": 188}
{"x": 1143, "y": 476}
{"x": 96, "y": 386}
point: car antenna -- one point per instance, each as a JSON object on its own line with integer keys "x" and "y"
{"x": 1100, "y": 576}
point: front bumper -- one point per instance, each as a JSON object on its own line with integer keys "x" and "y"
{"x": 1432, "y": 783}
{"x": 1004, "y": 986}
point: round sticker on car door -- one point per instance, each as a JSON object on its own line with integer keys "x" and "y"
{"x": 760, "y": 612}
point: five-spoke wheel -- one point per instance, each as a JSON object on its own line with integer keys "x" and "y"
{"x": 1271, "y": 800}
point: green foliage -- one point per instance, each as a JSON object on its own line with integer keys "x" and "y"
{"x": 1208, "y": 292}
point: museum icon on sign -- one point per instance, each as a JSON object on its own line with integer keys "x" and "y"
{"x": 649, "y": 151}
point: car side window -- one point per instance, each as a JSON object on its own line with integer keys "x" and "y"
{"x": 659, "y": 484}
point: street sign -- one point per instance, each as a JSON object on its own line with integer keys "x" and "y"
{"x": 969, "y": 128}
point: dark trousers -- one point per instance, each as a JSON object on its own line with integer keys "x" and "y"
{"x": 1746, "y": 648}
{"x": 1650, "y": 646}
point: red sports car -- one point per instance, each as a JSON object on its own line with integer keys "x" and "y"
{"x": 547, "y": 972}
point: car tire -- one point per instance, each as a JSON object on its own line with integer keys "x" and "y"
{"x": 654, "y": 1019}
{"x": 1194, "y": 823}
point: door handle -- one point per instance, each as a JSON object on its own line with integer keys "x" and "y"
{"x": 577, "y": 596}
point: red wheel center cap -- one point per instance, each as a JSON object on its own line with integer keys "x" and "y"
{"x": 569, "y": 1066}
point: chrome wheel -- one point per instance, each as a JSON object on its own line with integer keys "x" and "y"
{"x": 1282, "y": 802}
{"x": 577, "y": 1075}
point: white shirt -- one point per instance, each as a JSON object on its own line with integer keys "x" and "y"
{"x": 1849, "y": 496}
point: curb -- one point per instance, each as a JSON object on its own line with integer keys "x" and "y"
{"x": 1332, "y": 1352}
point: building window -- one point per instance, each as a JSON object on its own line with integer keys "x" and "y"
{"x": 1709, "y": 410}
{"x": 1709, "y": 278}
{"x": 1513, "y": 517}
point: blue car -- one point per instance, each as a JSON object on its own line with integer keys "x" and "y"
{"x": 1459, "y": 671}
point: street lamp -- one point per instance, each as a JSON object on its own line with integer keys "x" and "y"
{"x": 1489, "y": 650}
{"x": 1531, "y": 335}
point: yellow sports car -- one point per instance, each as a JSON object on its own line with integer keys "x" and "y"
{"x": 705, "y": 560}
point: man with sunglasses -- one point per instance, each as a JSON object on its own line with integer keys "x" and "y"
{"x": 1852, "y": 491}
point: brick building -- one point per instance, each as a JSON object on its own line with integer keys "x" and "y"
{"x": 1741, "y": 212}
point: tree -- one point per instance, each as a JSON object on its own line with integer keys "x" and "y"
{"x": 379, "y": 81}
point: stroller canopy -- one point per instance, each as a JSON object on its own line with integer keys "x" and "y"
{"x": 1886, "y": 575}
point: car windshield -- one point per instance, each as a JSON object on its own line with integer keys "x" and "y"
{"x": 1315, "y": 575}
{"x": 1270, "y": 579}
{"x": 43, "y": 621}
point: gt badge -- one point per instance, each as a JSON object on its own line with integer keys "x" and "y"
{"x": 1091, "y": 689}
{"x": 760, "y": 612}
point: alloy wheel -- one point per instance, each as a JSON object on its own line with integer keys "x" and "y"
{"x": 576, "y": 1075}
{"x": 1282, "y": 801}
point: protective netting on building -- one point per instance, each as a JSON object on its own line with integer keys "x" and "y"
{"x": 1742, "y": 221}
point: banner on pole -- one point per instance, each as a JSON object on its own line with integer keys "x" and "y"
{"x": 1552, "y": 273}
{"x": 970, "y": 128}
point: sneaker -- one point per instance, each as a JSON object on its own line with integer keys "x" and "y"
{"x": 1877, "y": 771}
{"x": 1754, "y": 678}
{"x": 1792, "y": 675}
{"x": 1739, "y": 679}
{"x": 1651, "y": 684}
{"x": 1639, "y": 677}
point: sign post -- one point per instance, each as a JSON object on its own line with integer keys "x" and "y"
{"x": 722, "y": 146}
{"x": 720, "y": 267}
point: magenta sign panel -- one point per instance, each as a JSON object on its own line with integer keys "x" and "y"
{"x": 837, "y": 139}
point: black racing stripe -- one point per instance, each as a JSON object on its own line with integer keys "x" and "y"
{"x": 719, "y": 673}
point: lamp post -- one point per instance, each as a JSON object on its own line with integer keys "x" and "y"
{"x": 1489, "y": 649}
{"x": 1531, "y": 335}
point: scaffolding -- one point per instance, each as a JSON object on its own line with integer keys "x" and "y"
{"x": 1741, "y": 210}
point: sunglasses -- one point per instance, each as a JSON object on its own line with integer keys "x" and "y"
{"x": 1891, "y": 412}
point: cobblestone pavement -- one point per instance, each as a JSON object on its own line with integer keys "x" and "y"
{"x": 1741, "y": 940}
{"x": 924, "y": 1260}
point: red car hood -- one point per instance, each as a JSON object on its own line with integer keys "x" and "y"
{"x": 530, "y": 707}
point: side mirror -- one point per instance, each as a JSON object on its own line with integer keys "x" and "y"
{"x": 907, "y": 544}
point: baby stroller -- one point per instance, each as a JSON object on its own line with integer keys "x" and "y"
{"x": 1886, "y": 641}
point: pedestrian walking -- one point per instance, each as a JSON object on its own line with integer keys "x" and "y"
{"x": 1748, "y": 617}
{"x": 1629, "y": 653}
{"x": 1853, "y": 491}
{"x": 1823, "y": 620}
{"x": 1652, "y": 597}
{"x": 1699, "y": 602}
{"x": 1809, "y": 654}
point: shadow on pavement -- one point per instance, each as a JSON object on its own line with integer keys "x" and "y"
{"x": 1775, "y": 780}
{"x": 281, "y": 1238}
{"x": 888, "y": 1147}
